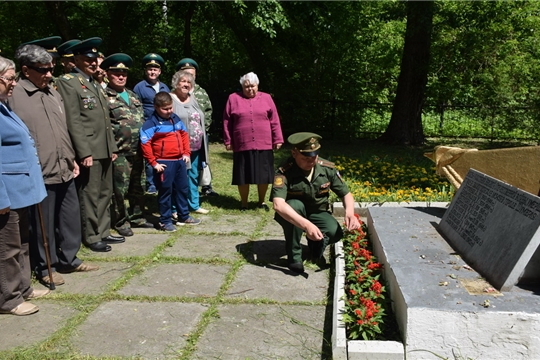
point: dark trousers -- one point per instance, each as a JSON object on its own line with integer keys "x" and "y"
{"x": 174, "y": 177}
{"x": 61, "y": 219}
{"x": 328, "y": 225}
{"x": 14, "y": 259}
{"x": 94, "y": 186}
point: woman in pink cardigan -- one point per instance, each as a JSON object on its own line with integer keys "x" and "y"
{"x": 251, "y": 129}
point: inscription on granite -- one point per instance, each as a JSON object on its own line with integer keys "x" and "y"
{"x": 494, "y": 227}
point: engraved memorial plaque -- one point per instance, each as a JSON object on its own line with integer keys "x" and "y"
{"x": 494, "y": 228}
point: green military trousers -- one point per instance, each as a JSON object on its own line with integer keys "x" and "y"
{"x": 328, "y": 225}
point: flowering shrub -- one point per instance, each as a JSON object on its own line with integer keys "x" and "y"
{"x": 365, "y": 302}
{"x": 392, "y": 179}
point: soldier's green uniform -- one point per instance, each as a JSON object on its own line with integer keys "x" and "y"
{"x": 127, "y": 117}
{"x": 205, "y": 104}
{"x": 89, "y": 126}
{"x": 309, "y": 198}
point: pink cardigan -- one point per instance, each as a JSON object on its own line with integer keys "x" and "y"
{"x": 251, "y": 124}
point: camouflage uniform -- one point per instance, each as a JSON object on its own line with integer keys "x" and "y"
{"x": 128, "y": 167}
{"x": 205, "y": 104}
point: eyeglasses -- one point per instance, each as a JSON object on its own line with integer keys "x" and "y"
{"x": 9, "y": 79}
{"x": 41, "y": 70}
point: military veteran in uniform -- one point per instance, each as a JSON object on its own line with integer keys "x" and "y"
{"x": 300, "y": 194}
{"x": 66, "y": 56}
{"x": 41, "y": 108}
{"x": 49, "y": 43}
{"x": 191, "y": 66}
{"x": 89, "y": 125}
{"x": 127, "y": 117}
{"x": 146, "y": 90}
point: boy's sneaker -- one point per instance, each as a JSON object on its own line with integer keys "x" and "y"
{"x": 151, "y": 190}
{"x": 189, "y": 221}
{"x": 167, "y": 227}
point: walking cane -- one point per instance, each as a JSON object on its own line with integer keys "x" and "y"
{"x": 46, "y": 246}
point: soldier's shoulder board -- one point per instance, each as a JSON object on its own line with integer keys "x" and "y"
{"x": 324, "y": 162}
{"x": 283, "y": 169}
{"x": 66, "y": 77}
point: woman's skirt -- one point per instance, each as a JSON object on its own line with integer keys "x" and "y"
{"x": 253, "y": 167}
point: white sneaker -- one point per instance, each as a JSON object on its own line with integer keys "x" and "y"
{"x": 201, "y": 211}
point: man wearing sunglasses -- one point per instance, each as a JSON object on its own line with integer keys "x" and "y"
{"x": 127, "y": 117}
{"x": 300, "y": 194}
{"x": 41, "y": 108}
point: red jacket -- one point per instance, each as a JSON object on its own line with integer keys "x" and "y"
{"x": 164, "y": 139}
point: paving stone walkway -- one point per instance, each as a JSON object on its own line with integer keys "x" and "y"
{"x": 220, "y": 290}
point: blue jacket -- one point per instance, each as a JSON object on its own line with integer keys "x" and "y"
{"x": 146, "y": 93}
{"x": 21, "y": 182}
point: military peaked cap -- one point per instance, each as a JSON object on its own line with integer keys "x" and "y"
{"x": 187, "y": 63}
{"x": 49, "y": 43}
{"x": 118, "y": 61}
{"x": 62, "y": 47}
{"x": 305, "y": 142}
{"x": 86, "y": 47}
{"x": 153, "y": 59}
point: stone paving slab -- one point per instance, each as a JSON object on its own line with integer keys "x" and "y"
{"x": 221, "y": 247}
{"x": 29, "y": 330}
{"x": 227, "y": 224}
{"x": 264, "y": 332}
{"x": 189, "y": 280}
{"x": 153, "y": 330}
{"x": 279, "y": 284}
{"x": 273, "y": 229}
{"x": 92, "y": 282}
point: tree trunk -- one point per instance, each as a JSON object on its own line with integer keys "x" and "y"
{"x": 406, "y": 122}
{"x": 187, "y": 28}
{"x": 58, "y": 16}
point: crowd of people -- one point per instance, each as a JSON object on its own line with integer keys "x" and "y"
{"x": 79, "y": 146}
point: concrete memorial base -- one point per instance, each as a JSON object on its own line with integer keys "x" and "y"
{"x": 442, "y": 305}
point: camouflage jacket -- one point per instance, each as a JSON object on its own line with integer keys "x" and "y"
{"x": 205, "y": 104}
{"x": 126, "y": 121}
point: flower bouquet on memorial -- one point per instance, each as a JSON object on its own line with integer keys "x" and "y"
{"x": 365, "y": 304}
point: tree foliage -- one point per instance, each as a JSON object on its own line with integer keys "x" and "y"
{"x": 331, "y": 66}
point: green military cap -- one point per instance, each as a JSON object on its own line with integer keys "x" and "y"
{"x": 118, "y": 61}
{"x": 187, "y": 63}
{"x": 153, "y": 59}
{"x": 49, "y": 43}
{"x": 86, "y": 47}
{"x": 62, "y": 47}
{"x": 305, "y": 142}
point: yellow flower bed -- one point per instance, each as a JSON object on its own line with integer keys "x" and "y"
{"x": 385, "y": 180}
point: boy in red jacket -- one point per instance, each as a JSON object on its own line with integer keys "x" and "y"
{"x": 165, "y": 144}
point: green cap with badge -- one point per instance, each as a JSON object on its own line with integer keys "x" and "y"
{"x": 153, "y": 59}
{"x": 62, "y": 47}
{"x": 86, "y": 47}
{"x": 187, "y": 63}
{"x": 49, "y": 43}
{"x": 306, "y": 143}
{"x": 118, "y": 61}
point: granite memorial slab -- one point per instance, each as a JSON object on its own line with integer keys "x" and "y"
{"x": 494, "y": 227}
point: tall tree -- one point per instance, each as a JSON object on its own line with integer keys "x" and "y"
{"x": 405, "y": 125}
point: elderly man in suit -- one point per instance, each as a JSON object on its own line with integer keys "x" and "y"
{"x": 87, "y": 115}
{"x": 42, "y": 109}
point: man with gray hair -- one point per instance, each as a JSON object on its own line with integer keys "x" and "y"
{"x": 42, "y": 110}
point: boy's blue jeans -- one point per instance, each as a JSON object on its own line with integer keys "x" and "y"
{"x": 173, "y": 177}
